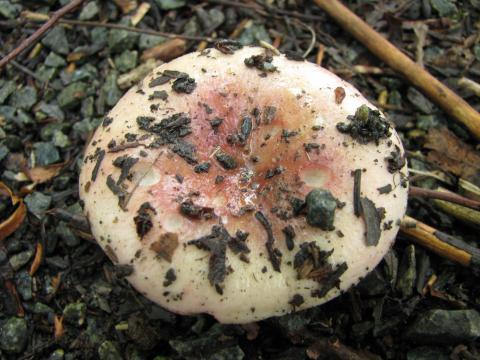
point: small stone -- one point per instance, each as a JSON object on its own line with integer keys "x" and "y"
{"x": 7, "y": 89}
{"x": 87, "y": 72}
{"x": 121, "y": 40}
{"x": 108, "y": 350}
{"x": 9, "y": 10}
{"x": 72, "y": 95}
{"x": 13, "y": 143}
{"x": 110, "y": 89}
{"x": 426, "y": 122}
{"x": 52, "y": 111}
{"x": 13, "y": 335}
{"x": 170, "y": 4}
{"x": 60, "y": 139}
{"x": 24, "y": 98}
{"x": 23, "y": 282}
{"x": 254, "y": 34}
{"x": 18, "y": 260}
{"x": 84, "y": 126}
{"x": 55, "y": 60}
{"x": 38, "y": 203}
{"x": 67, "y": 236}
{"x": 89, "y": 11}
{"x": 419, "y": 101}
{"x": 40, "y": 308}
{"x": 444, "y": 7}
{"x": 87, "y": 107}
{"x": 321, "y": 206}
{"x": 46, "y": 73}
{"x": 45, "y": 153}
{"x": 211, "y": 19}
{"x": 58, "y": 262}
{"x": 56, "y": 40}
{"x": 445, "y": 327}
{"x": 407, "y": 272}
{"x": 3, "y": 152}
{"x": 126, "y": 61}
{"x": 75, "y": 313}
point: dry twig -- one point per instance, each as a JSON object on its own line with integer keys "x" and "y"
{"x": 440, "y": 243}
{"x": 416, "y": 191}
{"x": 32, "y": 39}
{"x": 41, "y": 17}
{"x": 450, "y": 102}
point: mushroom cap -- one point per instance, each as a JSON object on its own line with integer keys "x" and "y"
{"x": 214, "y": 145}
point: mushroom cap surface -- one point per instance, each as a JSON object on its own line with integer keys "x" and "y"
{"x": 199, "y": 177}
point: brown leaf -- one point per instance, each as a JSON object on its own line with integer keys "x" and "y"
{"x": 37, "y": 260}
{"x": 41, "y": 174}
{"x": 166, "y": 51}
{"x": 452, "y": 154}
{"x": 58, "y": 325}
{"x": 126, "y": 5}
{"x": 8, "y": 226}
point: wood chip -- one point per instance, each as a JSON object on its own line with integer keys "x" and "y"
{"x": 166, "y": 51}
{"x": 140, "y": 13}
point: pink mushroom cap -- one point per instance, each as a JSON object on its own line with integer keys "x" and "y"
{"x": 244, "y": 184}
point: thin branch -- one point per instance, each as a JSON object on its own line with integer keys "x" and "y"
{"x": 32, "y": 39}
{"x": 416, "y": 191}
{"x": 25, "y": 70}
{"x": 38, "y": 17}
{"x": 313, "y": 39}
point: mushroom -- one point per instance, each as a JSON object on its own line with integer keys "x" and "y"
{"x": 244, "y": 184}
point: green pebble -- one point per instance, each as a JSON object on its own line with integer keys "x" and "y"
{"x": 13, "y": 335}
{"x": 108, "y": 350}
{"x": 321, "y": 206}
{"x": 75, "y": 313}
{"x": 72, "y": 95}
{"x": 54, "y": 60}
{"x": 89, "y": 11}
{"x": 56, "y": 40}
{"x": 24, "y": 98}
{"x": 127, "y": 60}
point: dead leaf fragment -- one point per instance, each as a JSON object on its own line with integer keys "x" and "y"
{"x": 165, "y": 246}
{"x": 14, "y": 221}
{"x": 452, "y": 154}
{"x": 58, "y": 326}
{"x": 41, "y": 174}
{"x": 37, "y": 260}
